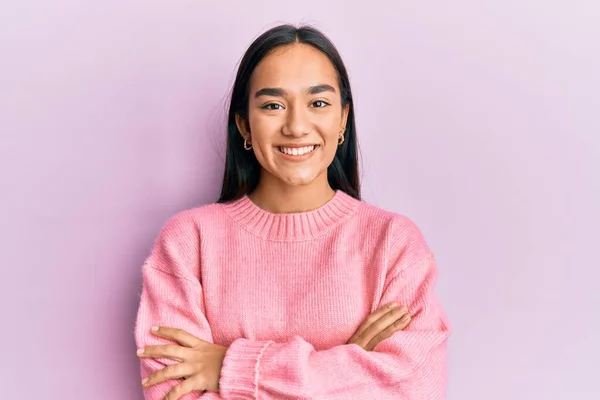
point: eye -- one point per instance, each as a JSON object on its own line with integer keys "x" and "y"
{"x": 272, "y": 106}
{"x": 319, "y": 104}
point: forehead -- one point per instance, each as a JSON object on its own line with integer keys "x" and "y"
{"x": 294, "y": 67}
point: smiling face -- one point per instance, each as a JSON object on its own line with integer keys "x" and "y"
{"x": 295, "y": 115}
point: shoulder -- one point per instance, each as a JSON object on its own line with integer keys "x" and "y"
{"x": 189, "y": 222}
{"x": 396, "y": 223}
{"x": 177, "y": 245}
{"x": 405, "y": 239}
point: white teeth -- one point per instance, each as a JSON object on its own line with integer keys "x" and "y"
{"x": 297, "y": 151}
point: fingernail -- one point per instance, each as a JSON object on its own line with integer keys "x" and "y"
{"x": 393, "y": 305}
{"x": 140, "y": 351}
{"x": 155, "y": 329}
{"x": 144, "y": 381}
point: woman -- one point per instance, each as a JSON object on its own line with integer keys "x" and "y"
{"x": 290, "y": 286}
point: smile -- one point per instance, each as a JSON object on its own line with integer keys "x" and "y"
{"x": 297, "y": 151}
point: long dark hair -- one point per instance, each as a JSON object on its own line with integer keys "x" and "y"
{"x": 242, "y": 169}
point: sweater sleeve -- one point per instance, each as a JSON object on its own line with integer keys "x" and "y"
{"x": 410, "y": 365}
{"x": 171, "y": 296}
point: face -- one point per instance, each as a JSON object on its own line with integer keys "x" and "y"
{"x": 295, "y": 115}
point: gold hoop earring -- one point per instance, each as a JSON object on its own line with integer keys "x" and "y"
{"x": 246, "y": 145}
{"x": 341, "y": 138}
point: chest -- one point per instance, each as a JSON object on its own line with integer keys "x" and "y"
{"x": 277, "y": 291}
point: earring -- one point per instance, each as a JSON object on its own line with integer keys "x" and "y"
{"x": 341, "y": 138}
{"x": 247, "y": 144}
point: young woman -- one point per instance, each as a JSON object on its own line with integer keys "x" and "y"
{"x": 290, "y": 286}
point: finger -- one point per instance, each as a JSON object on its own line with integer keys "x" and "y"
{"x": 378, "y": 325}
{"x": 175, "y": 371}
{"x": 171, "y": 351}
{"x": 381, "y": 324}
{"x": 179, "y": 335}
{"x": 398, "y": 325}
{"x": 187, "y": 386}
{"x": 372, "y": 318}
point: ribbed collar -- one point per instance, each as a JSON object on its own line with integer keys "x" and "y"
{"x": 292, "y": 226}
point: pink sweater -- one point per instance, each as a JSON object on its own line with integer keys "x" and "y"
{"x": 285, "y": 292}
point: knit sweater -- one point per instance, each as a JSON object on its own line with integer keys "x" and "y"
{"x": 285, "y": 292}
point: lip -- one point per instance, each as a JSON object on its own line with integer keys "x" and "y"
{"x": 296, "y": 146}
{"x": 303, "y": 157}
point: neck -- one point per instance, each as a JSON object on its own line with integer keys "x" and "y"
{"x": 278, "y": 197}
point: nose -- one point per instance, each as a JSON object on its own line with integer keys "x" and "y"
{"x": 297, "y": 122}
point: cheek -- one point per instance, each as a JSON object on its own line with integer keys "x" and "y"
{"x": 330, "y": 150}
{"x": 264, "y": 131}
{"x": 331, "y": 138}
{"x": 331, "y": 126}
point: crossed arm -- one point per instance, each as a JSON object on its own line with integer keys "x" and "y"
{"x": 406, "y": 362}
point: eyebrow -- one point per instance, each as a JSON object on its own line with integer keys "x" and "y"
{"x": 278, "y": 92}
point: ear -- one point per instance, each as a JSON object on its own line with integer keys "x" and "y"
{"x": 243, "y": 126}
{"x": 345, "y": 112}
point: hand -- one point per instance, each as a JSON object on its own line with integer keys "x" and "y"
{"x": 380, "y": 325}
{"x": 199, "y": 364}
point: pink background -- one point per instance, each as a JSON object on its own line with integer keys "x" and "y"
{"x": 478, "y": 119}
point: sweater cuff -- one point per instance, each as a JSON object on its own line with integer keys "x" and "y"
{"x": 239, "y": 373}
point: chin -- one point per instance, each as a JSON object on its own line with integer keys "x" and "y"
{"x": 297, "y": 181}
